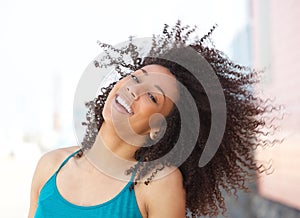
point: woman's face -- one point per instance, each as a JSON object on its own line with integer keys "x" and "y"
{"x": 143, "y": 96}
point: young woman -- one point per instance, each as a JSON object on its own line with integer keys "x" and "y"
{"x": 136, "y": 125}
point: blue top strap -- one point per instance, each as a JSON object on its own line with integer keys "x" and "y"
{"x": 67, "y": 159}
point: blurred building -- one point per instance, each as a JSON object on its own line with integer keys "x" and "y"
{"x": 275, "y": 34}
{"x": 269, "y": 39}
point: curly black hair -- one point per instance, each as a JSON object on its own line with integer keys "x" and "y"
{"x": 246, "y": 120}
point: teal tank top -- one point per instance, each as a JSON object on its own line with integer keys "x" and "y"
{"x": 52, "y": 204}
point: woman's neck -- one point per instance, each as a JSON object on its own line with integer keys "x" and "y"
{"x": 111, "y": 154}
{"x": 110, "y": 138}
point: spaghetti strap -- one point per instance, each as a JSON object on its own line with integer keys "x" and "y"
{"x": 67, "y": 159}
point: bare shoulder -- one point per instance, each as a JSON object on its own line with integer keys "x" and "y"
{"x": 50, "y": 162}
{"x": 168, "y": 177}
{"x": 58, "y": 154}
{"x": 54, "y": 158}
{"x": 160, "y": 193}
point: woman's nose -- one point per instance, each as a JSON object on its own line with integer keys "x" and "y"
{"x": 133, "y": 92}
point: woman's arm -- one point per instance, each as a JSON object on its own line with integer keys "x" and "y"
{"x": 166, "y": 197}
{"x": 36, "y": 184}
{"x": 45, "y": 168}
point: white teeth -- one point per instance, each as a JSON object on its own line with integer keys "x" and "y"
{"x": 124, "y": 104}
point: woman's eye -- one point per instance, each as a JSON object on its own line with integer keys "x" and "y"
{"x": 152, "y": 97}
{"x": 135, "y": 78}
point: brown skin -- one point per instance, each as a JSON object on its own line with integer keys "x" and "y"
{"x": 152, "y": 203}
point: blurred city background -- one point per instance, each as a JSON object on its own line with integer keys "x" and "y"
{"x": 46, "y": 45}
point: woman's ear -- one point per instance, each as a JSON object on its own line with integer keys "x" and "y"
{"x": 154, "y": 133}
{"x": 157, "y": 126}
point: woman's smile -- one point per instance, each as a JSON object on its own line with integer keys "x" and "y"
{"x": 122, "y": 106}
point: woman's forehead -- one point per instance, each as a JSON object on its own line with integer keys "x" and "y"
{"x": 158, "y": 69}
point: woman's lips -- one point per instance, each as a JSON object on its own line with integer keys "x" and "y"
{"x": 120, "y": 107}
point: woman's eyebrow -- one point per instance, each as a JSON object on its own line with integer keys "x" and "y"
{"x": 160, "y": 89}
{"x": 144, "y": 71}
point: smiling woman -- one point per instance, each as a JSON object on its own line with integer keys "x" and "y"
{"x": 143, "y": 129}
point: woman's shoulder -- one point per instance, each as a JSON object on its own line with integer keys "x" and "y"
{"x": 161, "y": 192}
{"x": 50, "y": 162}
{"x": 54, "y": 158}
{"x": 59, "y": 153}
{"x": 166, "y": 177}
